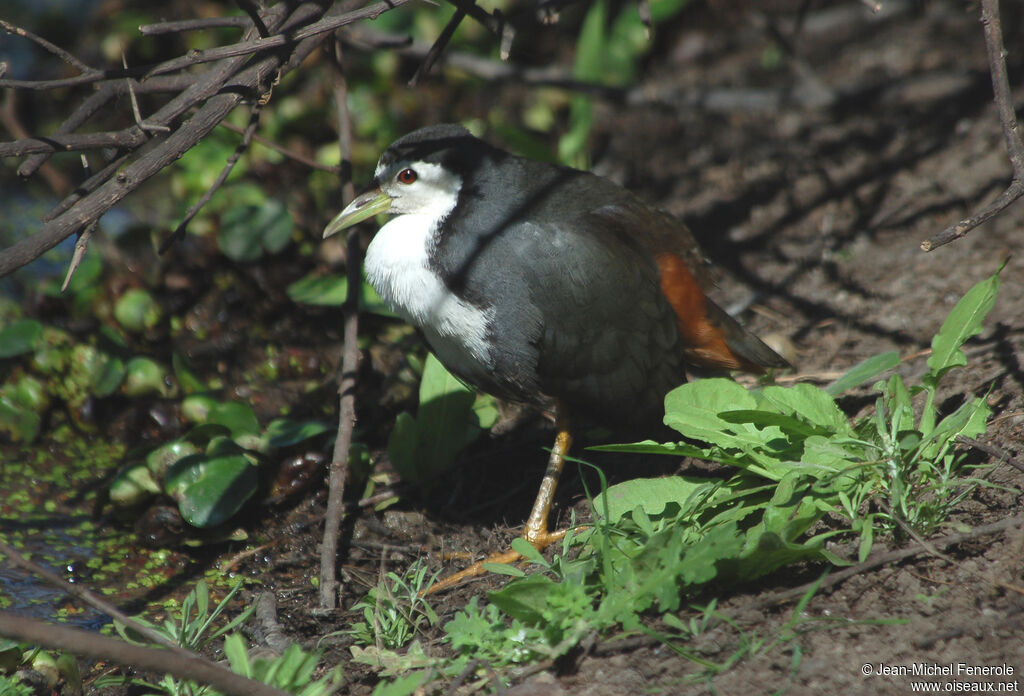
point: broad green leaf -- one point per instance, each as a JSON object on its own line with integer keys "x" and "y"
{"x": 19, "y": 337}
{"x": 216, "y": 489}
{"x": 108, "y": 377}
{"x": 331, "y": 290}
{"x": 969, "y": 420}
{"x": 249, "y": 231}
{"x": 136, "y": 310}
{"x": 524, "y": 599}
{"x": 144, "y": 377}
{"x": 962, "y": 323}
{"x": 238, "y": 655}
{"x": 284, "y": 432}
{"x": 809, "y": 403}
{"x": 693, "y": 410}
{"x": 185, "y": 374}
{"x": 402, "y": 446}
{"x": 762, "y": 419}
{"x": 443, "y": 425}
{"x": 236, "y": 417}
{"x": 652, "y": 495}
{"x": 720, "y": 543}
{"x": 504, "y": 569}
{"x": 402, "y": 686}
{"x": 864, "y": 371}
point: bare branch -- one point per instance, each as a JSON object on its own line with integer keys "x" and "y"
{"x": 193, "y": 25}
{"x": 161, "y": 661}
{"x": 218, "y": 91}
{"x": 494, "y": 23}
{"x": 349, "y": 361}
{"x": 439, "y": 45}
{"x": 179, "y": 231}
{"x": 197, "y": 57}
{"x": 129, "y": 137}
{"x": 43, "y": 43}
{"x": 1011, "y": 131}
{"x": 281, "y": 149}
{"x": 15, "y": 557}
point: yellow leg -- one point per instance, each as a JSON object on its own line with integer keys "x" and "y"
{"x": 536, "y": 529}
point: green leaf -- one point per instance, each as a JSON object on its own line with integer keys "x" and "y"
{"x": 525, "y": 599}
{"x": 693, "y": 410}
{"x": 108, "y": 377}
{"x": 720, "y": 543}
{"x": 653, "y": 495}
{"x": 238, "y": 655}
{"x": 284, "y": 432}
{"x": 864, "y": 371}
{"x": 136, "y": 310}
{"x": 762, "y": 419}
{"x": 249, "y": 231}
{"x": 422, "y": 447}
{"x": 331, "y": 290}
{"x": 504, "y": 569}
{"x": 319, "y": 290}
{"x": 19, "y": 337}
{"x": 185, "y": 374}
{"x": 672, "y": 449}
{"x": 145, "y": 377}
{"x": 809, "y": 403}
{"x": 962, "y": 323}
{"x": 402, "y": 686}
{"x": 210, "y": 490}
{"x": 236, "y": 417}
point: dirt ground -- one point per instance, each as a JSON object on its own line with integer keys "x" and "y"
{"x": 811, "y": 185}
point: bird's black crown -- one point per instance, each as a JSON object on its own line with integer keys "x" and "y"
{"x": 447, "y": 144}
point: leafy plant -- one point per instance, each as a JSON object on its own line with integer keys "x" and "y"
{"x": 193, "y": 629}
{"x": 394, "y": 611}
{"x": 450, "y": 417}
{"x": 798, "y": 442}
{"x": 656, "y": 544}
{"x": 212, "y": 470}
{"x": 292, "y": 671}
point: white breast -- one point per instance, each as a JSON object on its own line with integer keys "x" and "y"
{"x": 397, "y": 266}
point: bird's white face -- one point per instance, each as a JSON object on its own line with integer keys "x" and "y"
{"x": 419, "y": 188}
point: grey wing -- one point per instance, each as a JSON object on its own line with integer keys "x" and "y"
{"x": 607, "y": 339}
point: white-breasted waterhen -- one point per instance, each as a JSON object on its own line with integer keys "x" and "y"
{"x": 545, "y": 285}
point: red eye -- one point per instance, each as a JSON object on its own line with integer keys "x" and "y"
{"x": 407, "y": 176}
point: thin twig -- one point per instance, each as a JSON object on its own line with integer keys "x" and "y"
{"x": 98, "y": 603}
{"x": 43, "y": 43}
{"x": 250, "y": 8}
{"x": 439, "y": 45}
{"x": 9, "y": 116}
{"x": 200, "y": 24}
{"x": 197, "y": 57}
{"x": 349, "y": 362}
{"x": 1011, "y": 131}
{"x": 243, "y": 145}
{"x": 81, "y": 246}
{"x": 992, "y": 451}
{"x": 284, "y": 151}
{"x": 90, "y": 644}
{"x": 139, "y": 121}
{"x": 494, "y": 23}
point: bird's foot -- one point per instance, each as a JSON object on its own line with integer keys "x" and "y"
{"x": 538, "y": 539}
